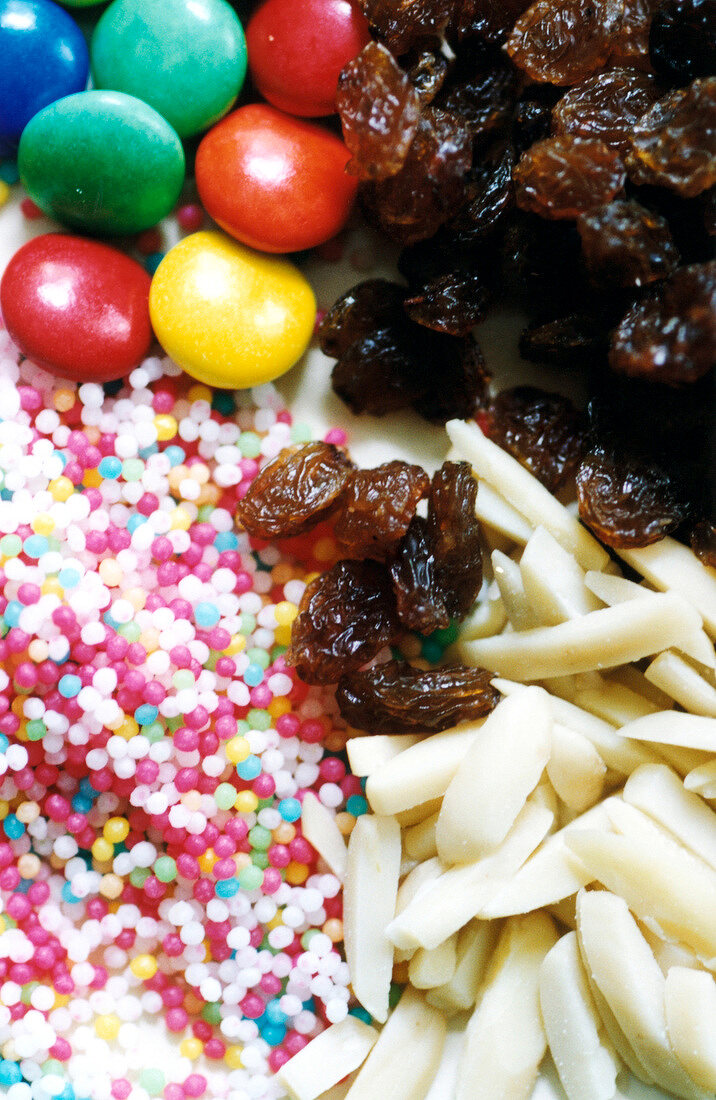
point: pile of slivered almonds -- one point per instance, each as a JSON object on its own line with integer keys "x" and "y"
{"x": 546, "y": 874}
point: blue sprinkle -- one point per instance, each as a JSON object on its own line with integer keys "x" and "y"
{"x": 67, "y": 894}
{"x": 360, "y": 1013}
{"x": 227, "y": 887}
{"x": 81, "y": 804}
{"x": 13, "y": 612}
{"x": 253, "y": 675}
{"x": 274, "y": 1015}
{"x": 69, "y": 686}
{"x": 4, "y": 742}
{"x": 68, "y": 577}
{"x": 249, "y": 768}
{"x": 13, "y": 827}
{"x": 176, "y": 455}
{"x": 274, "y": 1036}
{"x": 110, "y": 467}
{"x": 357, "y": 805}
{"x": 10, "y": 1073}
{"x": 290, "y": 809}
{"x": 226, "y": 540}
{"x": 206, "y": 614}
{"x": 146, "y": 714}
{"x": 136, "y": 520}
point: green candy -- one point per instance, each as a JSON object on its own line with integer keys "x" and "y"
{"x": 186, "y": 58}
{"x": 102, "y": 161}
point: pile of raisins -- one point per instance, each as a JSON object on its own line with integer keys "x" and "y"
{"x": 401, "y": 571}
{"x": 560, "y": 154}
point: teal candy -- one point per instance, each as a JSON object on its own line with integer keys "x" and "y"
{"x": 102, "y": 161}
{"x": 186, "y": 58}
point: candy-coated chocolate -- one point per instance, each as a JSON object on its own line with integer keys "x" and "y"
{"x": 297, "y": 50}
{"x": 43, "y": 57}
{"x": 77, "y": 307}
{"x": 186, "y": 58}
{"x": 275, "y": 182}
{"x": 102, "y": 161}
{"x": 230, "y": 316}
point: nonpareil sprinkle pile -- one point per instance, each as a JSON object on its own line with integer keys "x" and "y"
{"x": 155, "y": 748}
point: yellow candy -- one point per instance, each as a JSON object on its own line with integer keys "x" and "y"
{"x": 102, "y": 850}
{"x": 230, "y": 316}
{"x": 4, "y": 192}
{"x": 191, "y": 1048}
{"x": 237, "y": 749}
{"x": 107, "y": 1027}
{"x": 61, "y": 488}
{"x": 233, "y": 1057}
{"x": 166, "y": 427}
{"x": 116, "y": 829}
{"x": 143, "y": 967}
{"x": 246, "y": 802}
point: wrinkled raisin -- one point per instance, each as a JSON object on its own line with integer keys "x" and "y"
{"x": 562, "y": 177}
{"x": 703, "y": 542}
{"x": 295, "y": 491}
{"x": 380, "y": 373}
{"x": 490, "y": 195}
{"x": 345, "y": 618}
{"x": 450, "y": 303}
{"x": 532, "y": 121}
{"x": 426, "y": 71}
{"x": 402, "y": 23}
{"x": 630, "y": 41}
{"x": 419, "y": 600}
{"x": 429, "y": 187}
{"x": 490, "y": 19}
{"x": 563, "y": 41}
{"x": 379, "y": 110}
{"x": 539, "y": 264}
{"x": 483, "y": 93}
{"x": 682, "y": 39}
{"x": 605, "y": 106}
{"x": 358, "y": 313}
{"x": 566, "y": 341}
{"x": 396, "y": 698}
{"x": 377, "y": 507}
{"x": 674, "y": 143}
{"x": 626, "y": 245}
{"x": 670, "y": 335}
{"x": 543, "y": 431}
{"x": 454, "y": 533}
{"x": 626, "y": 502}
{"x": 458, "y": 378}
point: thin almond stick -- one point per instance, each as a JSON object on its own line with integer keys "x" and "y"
{"x": 668, "y": 564}
{"x": 508, "y": 579}
{"x": 602, "y": 639}
{"x": 524, "y": 492}
{"x": 319, "y": 828}
{"x": 367, "y": 754}
{"x": 690, "y": 1001}
{"x": 586, "y": 1065}
{"x": 505, "y": 1039}
{"x": 553, "y": 581}
{"x": 429, "y": 969}
{"x": 403, "y": 1062}
{"x": 475, "y": 944}
{"x": 327, "y": 1059}
{"x": 493, "y": 509}
{"x": 680, "y": 680}
{"x": 671, "y": 727}
{"x": 660, "y": 793}
{"x": 369, "y": 899}
{"x": 575, "y": 768}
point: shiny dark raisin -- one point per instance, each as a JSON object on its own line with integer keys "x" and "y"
{"x": 454, "y": 534}
{"x": 562, "y": 177}
{"x": 566, "y": 341}
{"x": 458, "y": 378}
{"x": 451, "y": 303}
{"x": 294, "y": 491}
{"x": 563, "y": 41}
{"x": 543, "y": 431}
{"x": 426, "y": 71}
{"x": 379, "y": 110}
{"x": 605, "y": 106}
{"x": 403, "y": 23}
{"x": 345, "y": 618}
{"x": 703, "y": 542}
{"x": 626, "y": 245}
{"x": 491, "y": 20}
{"x": 489, "y": 196}
{"x": 482, "y": 91}
{"x": 627, "y": 502}
{"x": 396, "y": 698}
{"x": 630, "y": 39}
{"x": 377, "y": 507}
{"x": 419, "y": 600}
{"x": 670, "y": 334}
{"x": 682, "y": 39}
{"x": 674, "y": 143}
{"x": 358, "y": 313}
{"x": 380, "y": 373}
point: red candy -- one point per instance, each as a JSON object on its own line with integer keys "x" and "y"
{"x": 297, "y": 50}
{"x": 274, "y": 182}
{"x": 78, "y": 308}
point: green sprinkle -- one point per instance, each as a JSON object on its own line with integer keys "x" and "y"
{"x": 260, "y": 838}
{"x": 138, "y": 876}
{"x": 183, "y": 679}
{"x": 258, "y": 657}
{"x": 211, "y": 1012}
{"x": 35, "y": 729}
{"x": 250, "y": 444}
{"x": 165, "y": 869}
{"x": 225, "y": 796}
{"x": 301, "y": 433}
{"x": 250, "y": 878}
{"x": 132, "y": 469}
{"x": 247, "y": 624}
{"x": 258, "y": 719}
{"x": 10, "y": 546}
{"x": 153, "y": 1080}
{"x": 260, "y": 859}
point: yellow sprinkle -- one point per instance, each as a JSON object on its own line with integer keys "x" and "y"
{"x": 232, "y": 1057}
{"x": 275, "y": 922}
{"x": 38, "y": 651}
{"x": 285, "y": 612}
{"x": 191, "y": 1048}
{"x": 246, "y": 802}
{"x": 144, "y": 967}
{"x": 42, "y": 524}
{"x": 282, "y": 635}
{"x": 27, "y": 812}
{"x": 237, "y": 750}
{"x": 102, "y": 850}
{"x": 278, "y": 706}
{"x": 207, "y": 860}
{"x": 110, "y": 573}
{"x": 128, "y": 728}
{"x": 61, "y": 488}
{"x": 4, "y": 192}
{"x": 237, "y": 643}
{"x": 29, "y": 865}
{"x": 111, "y": 886}
{"x": 180, "y": 519}
{"x": 137, "y": 597}
{"x": 296, "y": 873}
{"x": 199, "y": 393}
{"x": 116, "y": 829}
{"x": 149, "y": 639}
{"x": 107, "y": 1027}
{"x": 166, "y": 427}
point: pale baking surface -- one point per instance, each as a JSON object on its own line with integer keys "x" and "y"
{"x": 307, "y": 392}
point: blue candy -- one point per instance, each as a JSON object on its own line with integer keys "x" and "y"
{"x": 44, "y": 57}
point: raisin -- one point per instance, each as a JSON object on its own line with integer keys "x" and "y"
{"x": 426, "y": 71}
{"x": 490, "y": 195}
{"x": 674, "y": 143}
{"x": 703, "y": 542}
{"x": 458, "y": 378}
{"x": 482, "y": 91}
{"x": 295, "y": 491}
{"x": 543, "y": 431}
{"x": 626, "y": 502}
{"x": 379, "y": 373}
{"x": 539, "y": 264}
{"x": 429, "y": 187}
{"x": 531, "y": 122}
{"x": 630, "y": 41}
{"x": 451, "y": 303}
{"x": 377, "y": 507}
{"x": 605, "y": 106}
{"x": 396, "y": 698}
{"x": 345, "y": 618}
{"x": 379, "y": 110}
{"x": 402, "y": 23}
{"x": 576, "y": 338}
{"x": 561, "y": 177}
{"x": 682, "y": 39}
{"x": 419, "y": 600}
{"x": 492, "y": 20}
{"x": 625, "y": 244}
{"x": 454, "y": 533}
{"x": 670, "y": 335}
{"x": 358, "y": 313}
{"x": 563, "y": 41}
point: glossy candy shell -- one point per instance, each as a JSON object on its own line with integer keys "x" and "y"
{"x": 297, "y": 50}
{"x": 78, "y": 308}
{"x": 185, "y": 58}
{"x": 102, "y": 161}
{"x": 274, "y": 182}
{"x": 229, "y": 316}
{"x": 43, "y": 56}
